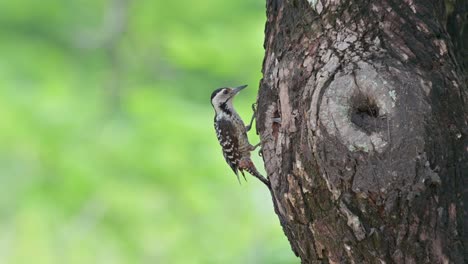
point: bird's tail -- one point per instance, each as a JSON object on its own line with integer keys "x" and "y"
{"x": 250, "y": 168}
{"x": 238, "y": 178}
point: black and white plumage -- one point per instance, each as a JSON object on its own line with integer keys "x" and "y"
{"x": 232, "y": 133}
{"x": 225, "y": 131}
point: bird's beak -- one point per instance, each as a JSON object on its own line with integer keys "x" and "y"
{"x": 238, "y": 89}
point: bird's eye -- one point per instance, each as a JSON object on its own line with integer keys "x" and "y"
{"x": 225, "y": 91}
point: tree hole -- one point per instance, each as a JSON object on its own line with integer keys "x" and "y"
{"x": 365, "y": 113}
{"x": 366, "y": 106}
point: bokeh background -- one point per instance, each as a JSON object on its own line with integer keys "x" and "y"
{"x": 107, "y": 147}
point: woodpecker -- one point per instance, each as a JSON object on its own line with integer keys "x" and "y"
{"x": 232, "y": 133}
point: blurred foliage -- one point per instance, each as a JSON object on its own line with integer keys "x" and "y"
{"x": 107, "y": 147}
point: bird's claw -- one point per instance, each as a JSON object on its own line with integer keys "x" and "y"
{"x": 254, "y": 107}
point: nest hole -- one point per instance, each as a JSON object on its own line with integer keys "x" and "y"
{"x": 366, "y": 106}
{"x": 365, "y": 113}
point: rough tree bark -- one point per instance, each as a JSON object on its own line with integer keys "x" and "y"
{"x": 369, "y": 163}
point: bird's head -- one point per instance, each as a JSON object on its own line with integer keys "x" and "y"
{"x": 221, "y": 98}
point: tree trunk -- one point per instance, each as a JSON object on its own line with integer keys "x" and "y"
{"x": 369, "y": 163}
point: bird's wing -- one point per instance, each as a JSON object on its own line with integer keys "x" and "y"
{"x": 227, "y": 137}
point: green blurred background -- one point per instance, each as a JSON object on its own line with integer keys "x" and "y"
{"x": 107, "y": 147}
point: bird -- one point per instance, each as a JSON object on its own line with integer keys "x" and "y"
{"x": 232, "y": 133}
